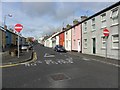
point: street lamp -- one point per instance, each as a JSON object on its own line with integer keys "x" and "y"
{"x": 9, "y": 15}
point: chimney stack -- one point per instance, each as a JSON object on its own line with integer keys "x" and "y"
{"x": 75, "y": 21}
{"x": 83, "y": 18}
{"x": 5, "y": 26}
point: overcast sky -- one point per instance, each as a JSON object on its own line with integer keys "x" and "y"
{"x": 40, "y": 18}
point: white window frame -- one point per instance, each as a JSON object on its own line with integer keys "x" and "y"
{"x": 103, "y": 42}
{"x": 116, "y": 13}
{"x": 115, "y": 17}
{"x": 85, "y": 27}
{"x": 103, "y": 20}
{"x": 115, "y": 41}
{"x": 93, "y": 24}
{"x": 85, "y": 43}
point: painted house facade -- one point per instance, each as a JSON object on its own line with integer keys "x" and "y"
{"x": 14, "y": 37}
{"x": 3, "y": 38}
{"x": 48, "y": 42}
{"x": 8, "y": 38}
{"x": 61, "y": 39}
{"x": 55, "y": 39}
{"x": 76, "y": 38}
{"x": 93, "y": 39}
{"x": 0, "y": 40}
{"x": 68, "y": 39}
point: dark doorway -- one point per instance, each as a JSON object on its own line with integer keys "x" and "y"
{"x": 94, "y": 46}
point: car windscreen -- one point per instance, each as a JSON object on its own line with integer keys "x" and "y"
{"x": 60, "y": 47}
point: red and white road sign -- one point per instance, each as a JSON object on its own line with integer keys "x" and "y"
{"x": 106, "y": 32}
{"x": 18, "y": 27}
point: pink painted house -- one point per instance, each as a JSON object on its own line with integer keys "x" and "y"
{"x": 76, "y": 38}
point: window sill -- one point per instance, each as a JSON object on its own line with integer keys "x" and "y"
{"x": 103, "y": 48}
{"x": 115, "y": 48}
{"x": 103, "y": 20}
{"x": 85, "y": 33}
{"x": 103, "y": 27}
{"x": 114, "y": 24}
{"x": 93, "y": 30}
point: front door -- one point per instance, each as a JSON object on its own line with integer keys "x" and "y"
{"x": 78, "y": 45}
{"x": 69, "y": 45}
{"x": 94, "y": 46}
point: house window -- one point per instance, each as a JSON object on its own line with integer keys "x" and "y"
{"x": 74, "y": 42}
{"x": 103, "y": 20}
{"x": 103, "y": 42}
{"x": 114, "y": 16}
{"x": 74, "y": 31}
{"x": 67, "y": 43}
{"x": 85, "y": 27}
{"x": 6, "y": 36}
{"x": 93, "y": 24}
{"x": 85, "y": 43}
{"x": 66, "y": 34}
{"x": 115, "y": 41}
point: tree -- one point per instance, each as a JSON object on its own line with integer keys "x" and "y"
{"x": 30, "y": 39}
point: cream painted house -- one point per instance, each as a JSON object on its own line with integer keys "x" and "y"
{"x": 68, "y": 39}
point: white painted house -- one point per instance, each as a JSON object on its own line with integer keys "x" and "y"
{"x": 68, "y": 39}
{"x": 93, "y": 39}
{"x": 48, "y": 42}
{"x": 55, "y": 40}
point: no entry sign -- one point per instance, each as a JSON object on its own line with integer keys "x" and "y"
{"x": 106, "y": 32}
{"x": 18, "y": 27}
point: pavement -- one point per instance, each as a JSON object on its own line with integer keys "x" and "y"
{"x": 24, "y": 56}
{"x": 96, "y": 58}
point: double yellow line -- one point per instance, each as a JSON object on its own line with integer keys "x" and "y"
{"x": 11, "y": 65}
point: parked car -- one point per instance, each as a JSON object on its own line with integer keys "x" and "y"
{"x": 30, "y": 46}
{"x": 59, "y": 48}
{"x": 24, "y": 47}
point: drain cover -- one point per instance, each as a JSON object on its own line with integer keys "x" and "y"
{"x": 59, "y": 76}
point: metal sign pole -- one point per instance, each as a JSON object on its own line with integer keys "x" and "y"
{"x": 106, "y": 47}
{"x": 18, "y": 44}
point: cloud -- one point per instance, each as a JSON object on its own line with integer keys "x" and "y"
{"x": 38, "y": 9}
{"x": 59, "y": 11}
{"x": 40, "y": 18}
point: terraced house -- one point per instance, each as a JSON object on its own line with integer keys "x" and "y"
{"x": 9, "y": 38}
{"x": 68, "y": 39}
{"x": 76, "y": 37}
{"x": 93, "y": 39}
{"x": 3, "y": 38}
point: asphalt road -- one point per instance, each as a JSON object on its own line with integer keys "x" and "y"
{"x": 60, "y": 70}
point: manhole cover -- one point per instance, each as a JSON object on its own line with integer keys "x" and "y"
{"x": 59, "y": 76}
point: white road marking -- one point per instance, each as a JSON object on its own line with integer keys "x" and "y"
{"x": 65, "y": 55}
{"x": 48, "y": 55}
{"x": 34, "y": 64}
{"x": 49, "y": 61}
{"x": 27, "y": 64}
{"x": 86, "y": 59}
{"x": 39, "y": 61}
